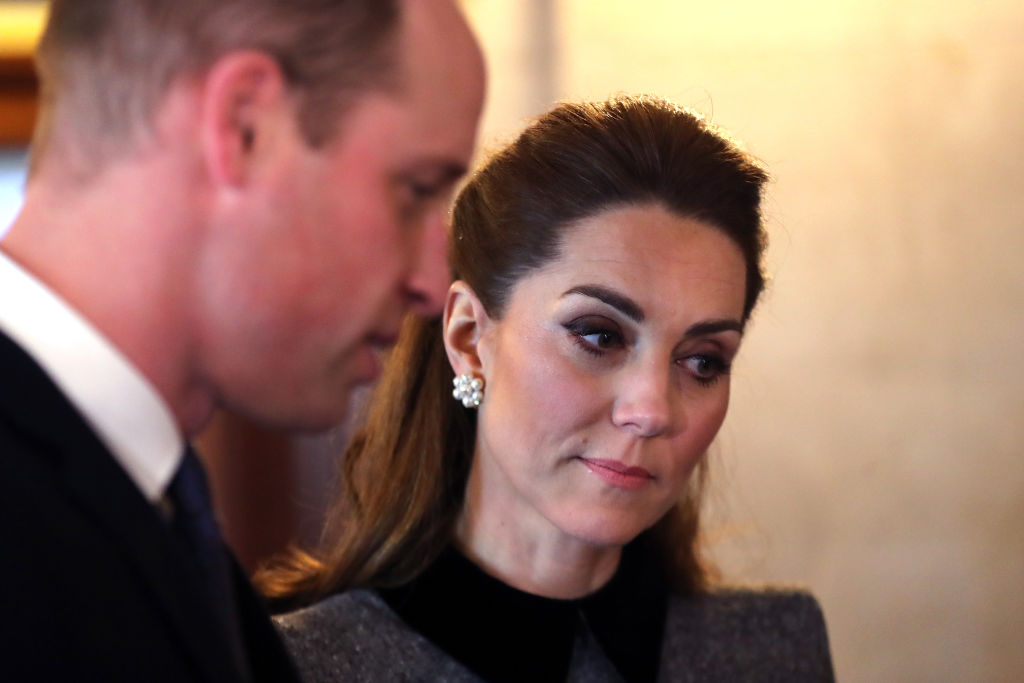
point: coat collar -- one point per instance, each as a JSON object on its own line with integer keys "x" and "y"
{"x": 35, "y": 410}
{"x": 503, "y": 634}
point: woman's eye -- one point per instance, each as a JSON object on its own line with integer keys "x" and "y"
{"x": 595, "y": 339}
{"x": 706, "y": 369}
{"x": 602, "y": 340}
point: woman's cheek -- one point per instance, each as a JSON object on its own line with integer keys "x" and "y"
{"x": 702, "y": 430}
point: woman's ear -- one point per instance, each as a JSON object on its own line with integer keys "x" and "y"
{"x": 465, "y": 320}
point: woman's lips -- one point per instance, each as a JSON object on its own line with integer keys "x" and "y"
{"x": 617, "y": 474}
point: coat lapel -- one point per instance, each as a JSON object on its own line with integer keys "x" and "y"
{"x": 41, "y": 414}
{"x": 269, "y": 660}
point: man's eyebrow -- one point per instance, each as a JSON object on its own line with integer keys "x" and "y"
{"x": 622, "y": 303}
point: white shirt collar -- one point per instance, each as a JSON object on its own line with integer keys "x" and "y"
{"x": 121, "y": 406}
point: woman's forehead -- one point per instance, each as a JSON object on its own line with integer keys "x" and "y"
{"x": 648, "y": 254}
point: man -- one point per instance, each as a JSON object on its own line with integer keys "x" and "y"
{"x": 231, "y": 204}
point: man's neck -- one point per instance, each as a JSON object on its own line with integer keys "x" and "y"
{"x": 121, "y": 255}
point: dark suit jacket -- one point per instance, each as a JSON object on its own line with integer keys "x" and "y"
{"x": 93, "y": 586}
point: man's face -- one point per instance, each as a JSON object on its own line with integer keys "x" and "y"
{"x": 349, "y": 237}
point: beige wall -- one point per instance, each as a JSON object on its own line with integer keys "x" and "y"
{"x": 875, "y": 449}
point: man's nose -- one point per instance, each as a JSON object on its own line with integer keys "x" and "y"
{"x": 429, "y": 278}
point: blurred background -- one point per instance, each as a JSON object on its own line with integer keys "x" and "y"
{"x": 875, "y": 447}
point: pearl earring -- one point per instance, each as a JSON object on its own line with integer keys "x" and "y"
{"x": 469, "y": 390}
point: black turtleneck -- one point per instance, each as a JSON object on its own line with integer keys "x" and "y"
{"x": 504, "y": 634}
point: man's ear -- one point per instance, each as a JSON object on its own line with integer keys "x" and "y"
{"x": 464, "y": 322}
{"x": 244, "y": 98}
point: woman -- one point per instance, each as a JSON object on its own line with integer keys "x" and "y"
{"x": 543, "y": 526}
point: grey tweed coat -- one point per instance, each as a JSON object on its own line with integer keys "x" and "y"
{"x": 732, "y": 635}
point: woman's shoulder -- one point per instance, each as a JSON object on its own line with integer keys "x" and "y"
{"x": 355, "y": 636}
{"x": 342, "y": 614}
{"x": 750, "y": 606}
{"x": 748, "y": 633}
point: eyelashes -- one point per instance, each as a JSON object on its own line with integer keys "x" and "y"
{"x": 705, "y": 368}
{"x": 599, "y": 339}
{"x": 594, "y": 338}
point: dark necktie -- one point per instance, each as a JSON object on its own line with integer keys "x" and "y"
{"x": 195, "y": 524}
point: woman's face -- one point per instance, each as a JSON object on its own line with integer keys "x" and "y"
{"x": 607, "y": 378}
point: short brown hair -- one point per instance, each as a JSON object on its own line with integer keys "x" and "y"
{"x": 104, "y": 65}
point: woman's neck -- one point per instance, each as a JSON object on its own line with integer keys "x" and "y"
{"x": 529, "y": 553}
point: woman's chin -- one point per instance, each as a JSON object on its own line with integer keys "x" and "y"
{"x": 604, "y": 526}
{"x": 604, "y": 533}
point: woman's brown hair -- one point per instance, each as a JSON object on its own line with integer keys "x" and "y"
{"x": 405, "y": 471}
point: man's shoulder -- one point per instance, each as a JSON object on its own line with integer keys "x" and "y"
{"x": 748, "y": 633}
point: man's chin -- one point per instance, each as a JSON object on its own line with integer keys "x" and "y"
{"x": 311, "y": 416}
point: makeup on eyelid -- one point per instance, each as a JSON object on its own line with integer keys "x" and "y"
{"x": 597, "y": 335}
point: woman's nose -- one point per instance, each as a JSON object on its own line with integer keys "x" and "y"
{"x": 646, "y": 404}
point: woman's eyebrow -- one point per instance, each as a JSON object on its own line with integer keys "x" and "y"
{"x": 632, "y": 310}
{"x": 714, "y": 327}
{"x": 624, "y": 304}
